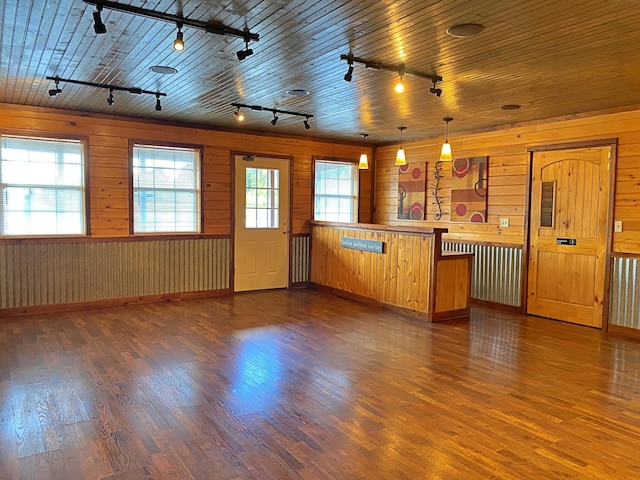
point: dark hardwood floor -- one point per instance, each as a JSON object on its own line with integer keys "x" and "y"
{"x": 304, "y": 385}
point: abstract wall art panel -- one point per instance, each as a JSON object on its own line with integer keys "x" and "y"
{"x": 412, "y": 187}
{"x": 469, "y": 189}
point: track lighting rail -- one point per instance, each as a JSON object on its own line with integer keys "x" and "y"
{"x": 274, "y": 110}
{"x": 218, "y": 28}
{"x": 112, "y": 88}
{"x": 400, "y": 69}
{"x": 107, "y": 86}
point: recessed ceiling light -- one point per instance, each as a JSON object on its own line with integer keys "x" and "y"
{"x": 163, "y": 70}
{"x": 511, "y": 106}
{"x": 298, "y": 92}
{"x": 465, "y": 30}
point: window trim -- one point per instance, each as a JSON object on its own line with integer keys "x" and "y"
{"x": 86, "y": 194}
{"x": 157, "y": 143}
{"x": 317, "y": 158}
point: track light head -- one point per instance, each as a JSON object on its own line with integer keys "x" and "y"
{"x": 436, "y": 91}
{"x": 55, "y": 91}
{"x": 239, "y": 115}
{"x": 158, "y": 104}
{"x": 178, "y": 43}
{"x": 349, "y": 75}
{"x": 275, "y": 119}
{"x": 242, "y": 54}
{"x": 306, "y": 124}
{"x": 110, "y": 99}
{"x": 98, "y": 26}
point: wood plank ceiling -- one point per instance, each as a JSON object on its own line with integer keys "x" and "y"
{"x": 551, "y": 57}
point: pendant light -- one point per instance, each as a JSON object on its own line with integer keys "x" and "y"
{"x": 400, "y": 157}
{"x": 445, "y": 153}
{"x": 364, "y": 161}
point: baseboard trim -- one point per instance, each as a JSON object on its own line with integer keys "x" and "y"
{"x": 112, "y": 302}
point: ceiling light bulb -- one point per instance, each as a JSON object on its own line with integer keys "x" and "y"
{"x": 178, "y": 43}
{"x": 239, "y": 115}
{"x": 400, "y": 86}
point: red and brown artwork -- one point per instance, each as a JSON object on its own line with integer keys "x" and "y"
{"x": 412, "y": 187}
{"x": 469, "y": 189}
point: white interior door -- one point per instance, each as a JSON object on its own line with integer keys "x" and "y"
{"x": 261, "y": 237}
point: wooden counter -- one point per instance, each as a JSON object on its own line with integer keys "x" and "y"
{"x": 402, "y": 267}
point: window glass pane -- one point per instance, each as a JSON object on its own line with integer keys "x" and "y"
{"x": 262, "y": 198}
{"x": 166, "y": 184}
{"x": 336, "y": 191}
{"x": 41, "y": 186}
{"x": 546, "y": 207}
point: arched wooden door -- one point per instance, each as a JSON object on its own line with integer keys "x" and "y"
{"x": 568, "y": 234}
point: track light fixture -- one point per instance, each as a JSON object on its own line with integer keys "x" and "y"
{"x": 111, "y": 88}
{"x": 401, "y": 69}
{"x": 445, "y": 153}
{"x": 239, "y": 115}
{"x": 349, "y": 75}
{"x": 275, "y": 111}
{"x": 399, "y": 88}
{"x": 217, "y": 28}
{"x": 178, "y": 43}
{"x": 55, "y": 91}
{"x": 401, "y": 159}
{"x": 363, "y": 164}
{"x": 242, "y": 54}
{"x": 436, "y": 91}
{"x": 98, "y": 26}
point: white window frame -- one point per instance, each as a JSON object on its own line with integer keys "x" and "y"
{"x": 192, "y": 225}
{"x": 45, "y": 180}
{"x": 320, "y": 195}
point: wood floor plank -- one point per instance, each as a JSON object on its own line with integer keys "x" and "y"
{"x": 304, "y": 385}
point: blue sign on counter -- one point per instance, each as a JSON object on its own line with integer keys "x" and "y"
{"x": 361, "y": 244}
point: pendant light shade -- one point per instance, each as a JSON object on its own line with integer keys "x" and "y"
{"x": 445, "y": 153}
{"x": 363, "y": 164}
{"x": 401, "y": 159}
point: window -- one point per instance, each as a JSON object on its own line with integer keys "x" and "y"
{"x": 166, "y": 189}
{"x": 42, "y": 186}
{"x": 262, "y": 193}
{"x": 336, "y": 191}
{"x": 546, "y": 204}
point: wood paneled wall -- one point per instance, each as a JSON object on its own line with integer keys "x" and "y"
{"x": 508, "y": 165}
{"x": 108, "y": 140}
